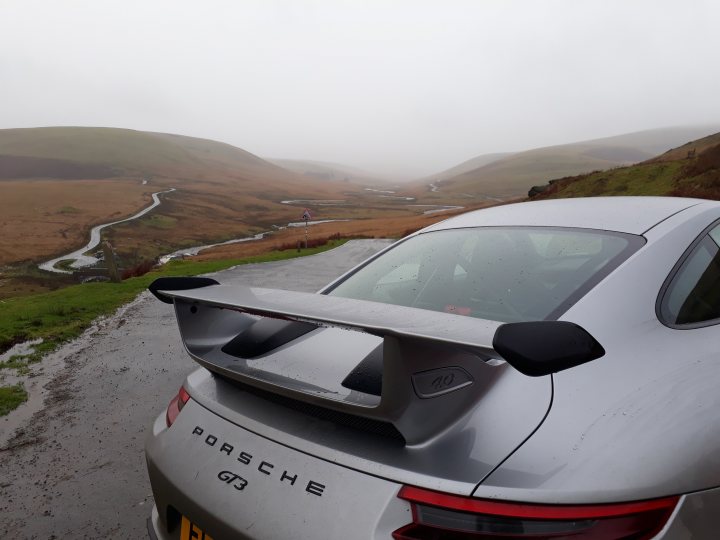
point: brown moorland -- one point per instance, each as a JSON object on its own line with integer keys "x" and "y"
{"x": 383, "y": 227}
{"x": 41, "y": 218}
{"x": 291, "y": 238}
{"x": 222, "y": 192}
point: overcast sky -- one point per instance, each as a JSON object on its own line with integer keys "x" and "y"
{"x": 392, "y": 86}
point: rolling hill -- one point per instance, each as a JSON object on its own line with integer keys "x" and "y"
{"x": 90, "y": 152}
{"x": 691, "y": 170}
{"x": 688, "y": 149}
{"x": 514, "y": 174}
{"x": 58, "y": 182}
{"x": 466, "y": 166}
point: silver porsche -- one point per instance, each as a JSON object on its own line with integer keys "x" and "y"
{"x": 540, "y": 370}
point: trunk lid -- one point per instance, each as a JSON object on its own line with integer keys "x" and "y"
{"x": 416, "y": 396}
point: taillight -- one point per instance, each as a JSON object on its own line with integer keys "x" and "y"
{"x": 175, "y": 406}
{"x": 440, "y": 516}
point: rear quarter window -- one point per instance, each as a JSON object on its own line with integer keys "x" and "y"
{"x": 692, "y": 297}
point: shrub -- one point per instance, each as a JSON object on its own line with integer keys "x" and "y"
{"x": 140, "y": 269}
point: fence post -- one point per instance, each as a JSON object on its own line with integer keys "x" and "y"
{"x": 110, "y": 262}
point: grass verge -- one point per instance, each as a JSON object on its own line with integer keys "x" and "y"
{"x": 59, "y": 316}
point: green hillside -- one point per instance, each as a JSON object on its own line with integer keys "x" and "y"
{"x": 691, "y": 170}
{"x": 515, "y": 174}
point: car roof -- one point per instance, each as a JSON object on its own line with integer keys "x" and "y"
{"x": 634, "y": 215}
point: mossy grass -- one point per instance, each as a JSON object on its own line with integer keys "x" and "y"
{"x": 11, "y": 397}
{"x": 61, "y": 315}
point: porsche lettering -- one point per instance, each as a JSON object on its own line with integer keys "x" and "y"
{"x": 264, "y": 467}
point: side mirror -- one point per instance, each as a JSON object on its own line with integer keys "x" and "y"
{"x": 545, "y": 347}
{"x": 178, "y": 284}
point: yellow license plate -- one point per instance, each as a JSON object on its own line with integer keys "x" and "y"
{"x": 190, "y": 531}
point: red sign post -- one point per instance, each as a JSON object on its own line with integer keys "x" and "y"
{"x": 306, "y": 217}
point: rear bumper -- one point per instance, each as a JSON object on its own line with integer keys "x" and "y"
{"x": 233, "y": 483}
{"x": 290, "y": 494}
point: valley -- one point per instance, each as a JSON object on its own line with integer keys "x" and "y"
{"x": 214, "y": 194}
{"x": 59, "y": 186}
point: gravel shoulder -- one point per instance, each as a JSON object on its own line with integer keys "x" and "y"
{"x": 76, "y": 467}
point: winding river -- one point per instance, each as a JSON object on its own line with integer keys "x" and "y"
{"x": 81, "y": 260}
{"x": 78, "y": 256}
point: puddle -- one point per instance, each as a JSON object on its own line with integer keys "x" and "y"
{"x": 437, "y": 208}
{"x": 398, "y": 197}
{"x": 319, "y": 202}
{"x": 317, "y": 222}
{"x": 26, "y": 347}
{"x": 44, "y": 372}
{"x": 379, "y": 190}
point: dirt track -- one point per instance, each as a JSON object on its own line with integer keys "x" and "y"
{"x": 77, "y": 468}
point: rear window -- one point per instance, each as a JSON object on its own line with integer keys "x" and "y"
{"x": 504, "y": 274}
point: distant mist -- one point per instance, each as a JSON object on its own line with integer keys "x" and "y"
{"x": 403, "y": 89}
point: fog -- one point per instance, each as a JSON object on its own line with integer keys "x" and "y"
{"x": 403, "y": 88}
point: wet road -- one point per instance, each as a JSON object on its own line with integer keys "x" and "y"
{"x": 77, "y": 469}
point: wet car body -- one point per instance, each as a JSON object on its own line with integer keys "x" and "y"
{"x": 382, "y": 419}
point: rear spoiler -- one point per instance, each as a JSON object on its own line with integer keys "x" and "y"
{"x": 427, "y": 355}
